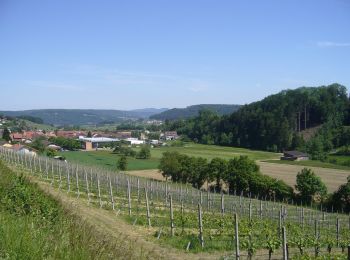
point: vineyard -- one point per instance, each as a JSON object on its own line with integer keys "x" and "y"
{"x": 198, "y": 221}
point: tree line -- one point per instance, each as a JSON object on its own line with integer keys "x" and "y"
{"x": 241, "y": 176}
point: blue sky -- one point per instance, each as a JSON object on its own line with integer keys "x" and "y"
{"x": 135, "y": 54}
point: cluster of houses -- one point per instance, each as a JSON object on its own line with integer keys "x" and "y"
{"x": 96, "y": 140}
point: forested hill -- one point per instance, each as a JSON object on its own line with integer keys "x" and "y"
{"x": 83, "y": 116}
{"x": 193, "y": 111}
{"x": 274, "y": 122}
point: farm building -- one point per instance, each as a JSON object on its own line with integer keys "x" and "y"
{"x": 91, "y": 143}
{"x": 294, "y": 156}
{"x": 170, "y": 135}
{"x": 134, "y": 141}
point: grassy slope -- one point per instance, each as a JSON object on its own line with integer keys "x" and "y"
{"x": 108, "y": 160}
{"x": 35, "y": 226}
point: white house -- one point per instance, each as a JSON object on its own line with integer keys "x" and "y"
{"x": 135, "y": 141}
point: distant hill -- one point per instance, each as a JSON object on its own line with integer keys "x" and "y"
{"x": 192, "y": 111}
{"x": 59, "y": 117}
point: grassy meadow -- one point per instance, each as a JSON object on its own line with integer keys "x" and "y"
{"x": 107, "y": 159}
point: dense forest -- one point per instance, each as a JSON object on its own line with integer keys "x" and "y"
{"x": 193, "y": 111}
{"x": 275, "y": 123}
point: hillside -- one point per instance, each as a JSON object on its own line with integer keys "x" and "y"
{"x": 192, "y": 111}
{"x": 272, "y": 123}
{"x": 83, "y": 116}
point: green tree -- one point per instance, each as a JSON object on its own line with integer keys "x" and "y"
{"x": 199, "y": 173}
{"x": 310, "y": 186}
{"x": 122, "y": 163}
{"x": 170, "y": 165}
{"x": 341, "y": 198}
{"x": 51, "y": 152}
{"x": 217, "y": 170}
{"x": 89, "y": 134}
{"x": 239, "y": 173}
{"x": 6, "y": 135}
{"x": 145, "y": 152}
{"x": 38, "y": 144}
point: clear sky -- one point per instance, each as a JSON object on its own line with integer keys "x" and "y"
{"x": 167, "y": 53}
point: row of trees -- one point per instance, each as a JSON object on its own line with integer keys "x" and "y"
{"x": 66, "y": 143}
{"x": 272, "y": 123}
{"x": 239, "y": 175}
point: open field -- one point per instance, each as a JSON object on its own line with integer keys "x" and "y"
{"x": 333, "y": 178}
{"x": 107, "y": 159}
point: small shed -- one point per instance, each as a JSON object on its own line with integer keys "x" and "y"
{"x": 294, "y": 156}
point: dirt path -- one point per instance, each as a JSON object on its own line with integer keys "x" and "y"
{"x": 333, "y": 178}
{"x": 127, "y": 236}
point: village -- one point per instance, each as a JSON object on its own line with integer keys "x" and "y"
{"x": 23, "y": 141}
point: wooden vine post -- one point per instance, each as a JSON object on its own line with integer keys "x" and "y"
{"x": 87, "y": 188}
{"x": 147, "y": 209}
{"x": 172, "y": 226}
{"x": 284, "y": 243}
{"x": 316, "y": 240}
{"x": 337, "y": 229}
{"x": 77, "y": 181}
{"x": 236, "y": 237}
{"x": 129, "y": 198}
{"x": 200, "y": 225}
{"x": 99, "y": 191}
{"x": 111, "y": 193}
{"x": 222, "y": 204}
{"x": 68, "y": 179}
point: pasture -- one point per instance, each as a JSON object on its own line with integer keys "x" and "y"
{"x": 108, "y": 160}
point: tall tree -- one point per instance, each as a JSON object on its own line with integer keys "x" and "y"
{"x": 6, "y": 135}
{"x": 310, "y": 186}
{"x": 122, "y": 163}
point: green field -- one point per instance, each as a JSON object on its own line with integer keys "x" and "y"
{"x": 107, "y": 159}
{"x": 316, "y": 163}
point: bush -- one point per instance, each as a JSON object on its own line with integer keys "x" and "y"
{"x": 309, "y": 185}
{"x": 340, "y": 199}
{"x": 122, "y": 163}
{"x": 144, "y": 153}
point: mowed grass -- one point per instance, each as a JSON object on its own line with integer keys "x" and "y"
{"x": 316, "y": 163}
{"x": 107, "y": 159}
